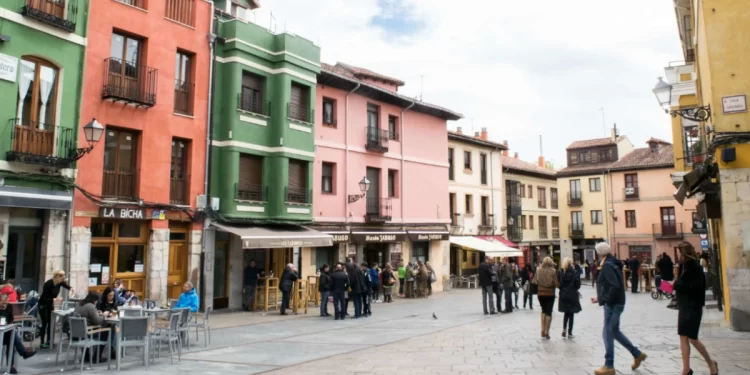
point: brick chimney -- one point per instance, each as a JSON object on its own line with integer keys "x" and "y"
{"x": 505, "y": 152}
{"x": 515, "y": 155}
{"x": 458, "y": 130}
{"x": 484, "y": 136}
{"x": 541, "y": 161}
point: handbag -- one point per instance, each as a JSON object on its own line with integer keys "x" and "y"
{"x": 526, "y": 287}
{"x": 433, "y": 278}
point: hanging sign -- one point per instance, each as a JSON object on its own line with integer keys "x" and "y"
{"x": 8, "y": 67}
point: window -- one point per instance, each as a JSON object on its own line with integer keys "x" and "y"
{"x": 576, "y": 220}
{"x": 531, "y": 191}
{"x": 297, "y": 191}
{"x": 469, "y": 203}
{"x": 250, "y": 183}
{"x": 136, "y": 3}
{"x": 130, "y": 258}
{"x": 485, "y": 207}
{"x": 178, "y": 181}
{"x": 543, "y": 226}
{"x": 483, "y": 168}
{"x": 327, "y": 178}
{"x": 329, "y": 112}
{"x": 393, "y": 128}
{"x": 668, "y": 220}
{"x": 555, "y": 222}
{"x": 392, "y": 178}
{"x": 523, "y": 191}
{"x": 575, "y": 189}
{"x": 421, "y": 251}
{"x": 252, "y": 93}
{"x": 631, "y": 180}
{"x": 120, "y": 151}
{"x": 37, "y": 101}
{"x": 523, "y": 221}
{"x": 630, "y": 219}
{"x": 239, "y": 11}
{"x": 531, "y": 221}
{"x": 450, "y": 164}
{"x": 183, "y": 88}
{"x": 573, "y": 158}
{"x": 299, "y": 103}
{"x": 125, "y": 57}
{"x": 553, "y": 197}
{"x": 541, "y": 196}
{"x": 596, "y": 217}
{"x": 595, "y": 184}
{"x": 691, "y": 141}
{"x": 180, "y": 11}
{"x": 467, "y": 160}
{"x": 373, "y": 114}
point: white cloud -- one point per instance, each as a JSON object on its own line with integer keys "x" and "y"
{"x": 519, "y": 68}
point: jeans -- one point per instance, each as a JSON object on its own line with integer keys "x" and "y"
{"x": 366, "y": 303}
{"x": 515, "y": 295}
{"x": 324, "y": 302}
{"x": 339, "y": 305}
{"x": 249, "y": 296}
{"x": 634, "y": 283}
{"x": 612, "y": 332}
{"x": 508, "y": 301}
{"x": 357, "y": 298}
{"x": 568, "y": 322}
{"x": 498, "y": 291}
{"x": 487, "y": 294}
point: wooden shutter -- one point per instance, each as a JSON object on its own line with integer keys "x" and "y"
{"x": 297, "y": 95}
{"x": 252, "y": 81}
{"x": 251, "y": 170}
{"x": 297, "y": 174}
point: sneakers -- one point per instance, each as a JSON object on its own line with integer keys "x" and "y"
{"x": 638, "y": 360}
{"x": 604, "y": 370}
{"x": 44, "y": 346}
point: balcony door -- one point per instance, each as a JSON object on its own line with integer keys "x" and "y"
{"x": 34, "y": 132}
{"x": 373, "y": 194}
{"x": 576, "y": 220}
{"x": 668, "y": 221}
{"x": 119, "y": 164}
{"x": 124, "y": 62}
{"x": 485, "y": 211}
{"x": 575, "y": 189}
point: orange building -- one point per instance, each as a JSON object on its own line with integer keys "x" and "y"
{"x": 147, "y": 82}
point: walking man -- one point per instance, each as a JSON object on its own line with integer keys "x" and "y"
{"x": 251, "y": 284}
{"x": 486, "y": 274}
{"x": 634, "y": 266}
{"x": 611, "y": 294}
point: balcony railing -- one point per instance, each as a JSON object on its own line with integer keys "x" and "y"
{"x": 181, "y": 11}
{"x": 543, "y": 233}
{"x": 515, "y": 233}
{"x": 631, "y": 193}
{"x": 33, "y": 142}
{"x": 251, "y": 192}
{"x": 126, "y": 81}
{"x": 668, "y": 231}
{"x": 457, "y": 221}
{"x": 119, "y": 184}
{"x": 379, "y": 210}
{"x": 300, "y": 113}
{"x": 249, "y": 103}
{"x": 298, "y": 195}
{"x": 53, "y": 12}
{"x": 576, "y": 230}
{"x": 555, "y": 233}
{"x": 487, "y": 224}
{"x": 575, "y": 200}
{"x": 178, "y": 190}
{"x": 377, "y": 139}
{"x": 183, "y": 97}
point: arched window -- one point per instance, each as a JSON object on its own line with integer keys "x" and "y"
{"x": 37, "y": 94}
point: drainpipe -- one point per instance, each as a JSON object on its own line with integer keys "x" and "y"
{"x": 346, "y": 151}
{"x": 209, "y": 137}
{"x": 401, "y": 174}
{"x": 492, "y": 191}
{"x": 611, "y": 212}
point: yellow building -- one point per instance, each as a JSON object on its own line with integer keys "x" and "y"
{"x": 713, "y": 34}
{"x": 584, "y": 193}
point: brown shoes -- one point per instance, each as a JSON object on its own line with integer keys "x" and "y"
{"x": 604, "y": 370}
{"x": 638, "y": 360}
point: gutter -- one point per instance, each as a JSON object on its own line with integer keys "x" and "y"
{"x": 346, "y": 151}
{"x": 492, "y": 189}
{"x": 209, "y": 138}
{"x": 401, "y": 173}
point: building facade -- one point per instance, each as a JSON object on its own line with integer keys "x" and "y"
{"x": 41, "y": 60}
{"x": 584, "y": 213}
{"x": 147, "y": 82}
{"x": 367, "y": 132}
{"x": 647, "y": 221}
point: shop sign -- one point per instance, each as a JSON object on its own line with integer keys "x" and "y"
{"x": 734, "y": 104}
{"x": 122, "y": 213}
{"x": 340, "y": 238}
{"x": 374, "y": 237}
{"x": 699, "y": 225}
{"x": 8, "y": 67}
{"x": 428, "y": 236}
{"x": 279, "y": 243}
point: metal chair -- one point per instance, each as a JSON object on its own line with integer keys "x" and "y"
{"x": 149, "y": 304}
{"x": 473, "y": 280}
{"x": 82, "y": 338}
{"x": 184, "y": 325}
{"x": 131, "y": 313}
{"x": 28, "y": 327}
{"x": 173, "y": 302}
{"x": 171, "y": 336}
{"x": 133, "y": 334}
{"x": 204, "y": 326}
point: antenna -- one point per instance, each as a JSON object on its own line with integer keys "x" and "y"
{"x": 272, "y": 24}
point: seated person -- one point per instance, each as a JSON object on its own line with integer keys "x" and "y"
{"x": 7, "y": 313}
{"x": 130, "y": 298}
{"x": 188, "y": 298}
{"x": 119, "y": 289}
{"x": 94, "y": 318}
{"x": 7, "y": 288}
{"x": 109, "y": 301}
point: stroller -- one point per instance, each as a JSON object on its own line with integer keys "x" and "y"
{"x": 664, "y": 289}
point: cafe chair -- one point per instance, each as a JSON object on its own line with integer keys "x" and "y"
{"x": 133, "y": 334}
{"x": 184, "y": 325}
{"x": 203, "y": 326}
{"x": 132, "y": 313}
{"x": 83, "y": 338}
{"x": 171, "y": 336}
{"x": 29, "y": 326}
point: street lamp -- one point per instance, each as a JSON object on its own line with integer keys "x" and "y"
{"x": 93, "y": 132}
{"x": 663, "y": 92}
{"x": 364, "y": 185}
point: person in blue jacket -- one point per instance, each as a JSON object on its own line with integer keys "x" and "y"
{"x": 188, "y": 298}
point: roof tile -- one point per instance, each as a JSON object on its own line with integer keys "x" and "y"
{"x": 518, "y": 164}
{"x": 596, "y": 142}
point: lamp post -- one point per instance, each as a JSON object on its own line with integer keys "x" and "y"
{"x": 364, "y": 185}
{"x": 93, "y": 132}
{"x": 663, "y": 92}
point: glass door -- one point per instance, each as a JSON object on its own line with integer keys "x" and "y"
{"x": 668, "y": 221}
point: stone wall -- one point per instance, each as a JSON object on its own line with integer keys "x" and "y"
{"x": 735, "y": 193}
{"x": 158, "y": 265}
{"x": 53, "y": 245}
{"x": 194, "y": 257}
{"x": 80, "y": 256}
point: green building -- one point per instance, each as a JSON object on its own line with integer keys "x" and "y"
{"x": 42, "y": 46}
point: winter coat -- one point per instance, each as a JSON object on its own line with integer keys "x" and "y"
{"x": 485, "y": 274}
{"x": 505, "y": 276}
{"x": 375, "y": 278}
{"x": 570, "y": 283}
{"x": 339, "y": 282}
{"x": 546, "y": 280}
{"x": 287, "y": 280}
{"x": 691, "y": 285}
{"x": 666, "y": 268}
{"x": 188, "y": 299}
{"x": 609, "y": 285}
{"x": 11, "y": 292}
{"x": 324, "y": 283}
{"x": 357, "y": 281}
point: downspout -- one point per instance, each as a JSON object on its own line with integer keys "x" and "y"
{"x": 492, "y": 192}
{"x": 209, "y": 137}
{"x": 346, "y": 151}
{"x": 611, "y": 211}
{"x": 401, "y": 174}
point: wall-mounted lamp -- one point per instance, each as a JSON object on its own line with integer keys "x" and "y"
{"x": 663, "y": 92}
{"x": 93, "y": 132}
{"x": 364, "y": 185}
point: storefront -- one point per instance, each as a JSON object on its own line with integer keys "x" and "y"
{"x": 379, "y": 247}
{"x": 469, "y": 251}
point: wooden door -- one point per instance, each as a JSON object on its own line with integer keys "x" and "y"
{"x": 177, "y": 275}
{"x": 668, "y": 220}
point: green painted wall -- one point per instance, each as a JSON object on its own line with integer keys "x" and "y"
{"x": 29, "y": 38}
{"x": 281, "y": 59}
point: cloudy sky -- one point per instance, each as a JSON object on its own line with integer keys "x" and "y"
{"x": 519, "y": 68}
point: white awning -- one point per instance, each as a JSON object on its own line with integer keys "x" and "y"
{"x": 277, "y": 237}
{"x": 491, "y": 249}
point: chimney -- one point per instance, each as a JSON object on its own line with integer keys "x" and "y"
{"x": 476, "y": 135}
{"x": 484, "y": 136}
{"x": 505, "y": 152}
{"x": 515, "y": 155}
{"x": 541, "y": 161}
{"x": 458, "y": 130}
{"x": 615, "y": 133}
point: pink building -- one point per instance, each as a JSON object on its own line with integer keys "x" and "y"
{"x": 364, "y": 129}
{"x": 648, "y": 221}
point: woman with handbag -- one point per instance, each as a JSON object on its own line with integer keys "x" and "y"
{"x": 570, "y": 304}
{"x": 547, "y": 282}
{"x": 388, "y": 280}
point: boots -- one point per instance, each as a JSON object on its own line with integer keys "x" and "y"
{"x": 547, "y": 324}
{"x": 544, "y": 324}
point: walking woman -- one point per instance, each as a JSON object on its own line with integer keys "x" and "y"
{"x": 691, "y": 297}
{"x": 388, "y": 280}
{"x": 546, "y": 280}
{"x": 529, "y": 288}
{"x": 50, "y": 290}
{"x": 570, "y": 303}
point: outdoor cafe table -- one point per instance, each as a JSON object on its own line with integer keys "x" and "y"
{"x": 57, "y": 318}
{"x": 4, "y": 330}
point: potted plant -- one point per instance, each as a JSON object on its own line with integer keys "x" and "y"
{"x": 698, "y": 155}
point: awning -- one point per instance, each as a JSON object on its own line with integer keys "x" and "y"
{"x": 428, "y": 235}
{"x": 11, "y": 196}
{"x": 500, "y": 239}
{"x": 270, "y": 237}
{"x": 491, "y": 249}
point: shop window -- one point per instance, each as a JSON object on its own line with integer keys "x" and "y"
{"x": 103, "y": 230}
{"x": 421, "y": 251}
{"x": 99, "y": 264}
{"x": 177, "y": 236}
{"x": 129, "y": 230}
{"x": 130, "y": 258}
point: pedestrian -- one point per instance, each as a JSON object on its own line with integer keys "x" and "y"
{"x": 339, "y": 285}
{"x": 611, "y": 295}
{"x": 634, "y": 266}
{"x": 251, "y": 284}
{"x": 387, "y": 280}
{"x": 401, "y": 278}
{"x": 497, "y": 287}
{"x": 570, "y": 302}
{"x": 529, "y": 288}
{"x": 423, "y": 279}
{"x": 691, "y": 298}
{"x": 50, "y": 290}
{"x": 546, "y": 281}
{"x": 324, "y": 287}
{"x": 594, "y": 272}
{"x": 506, "y": 283}
{"x": 288, "y": 278}
{"x": 486, "y": 280}
{"x": 516, "y": 281}
{"x": 375, "y": 279}
{"x": 432, "y": 277}
{"x": 409, "y": 279}
{"x": 366, "y": 290}
{"x": 356, "y": 287}
{"x": 587, "y": 269}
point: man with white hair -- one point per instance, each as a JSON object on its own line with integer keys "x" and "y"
{"x": 611, "y": 294}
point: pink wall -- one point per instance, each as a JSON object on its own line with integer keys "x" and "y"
{"x": 425, "y": 170}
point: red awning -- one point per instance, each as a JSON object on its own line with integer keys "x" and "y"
{"x": 500, "y": 239}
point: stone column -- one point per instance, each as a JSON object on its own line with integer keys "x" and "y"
{"x": 209, "y": 234}
{"x": 236, "y": 270}
{"x": 80, "y": 256}
{"x": 53, "y": 245}
{"x": 194, "y": 257}
{"x": 158, "y": 265}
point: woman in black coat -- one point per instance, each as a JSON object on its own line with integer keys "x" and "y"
{"x": 529, "y": 288}
{"x": 691, "y": 297}
{"x": 570, "y": 302}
